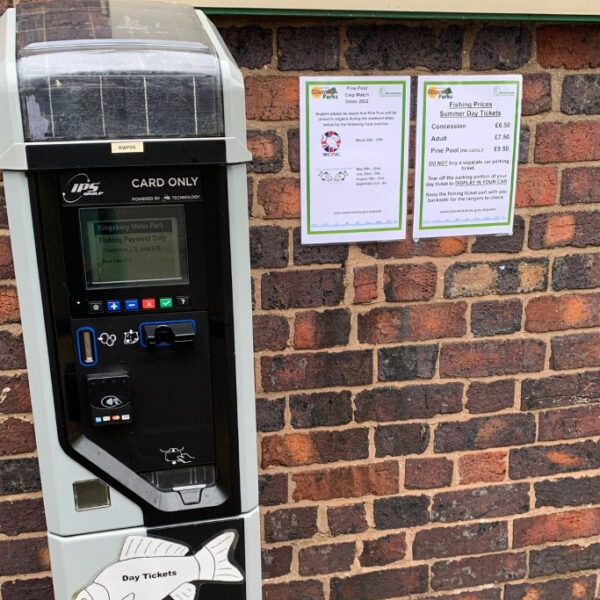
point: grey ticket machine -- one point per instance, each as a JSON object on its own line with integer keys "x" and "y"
{"x": 122, "y": 140}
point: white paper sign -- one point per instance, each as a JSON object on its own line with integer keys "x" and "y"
{"x": 467, "y": 154}
{"x": 354, "y": 158}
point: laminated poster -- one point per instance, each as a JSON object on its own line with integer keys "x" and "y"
{"x": 354, "y": 158}
{"x": 467, "y": 155}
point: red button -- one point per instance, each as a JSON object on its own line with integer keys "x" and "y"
{"x": 148, "y": 303}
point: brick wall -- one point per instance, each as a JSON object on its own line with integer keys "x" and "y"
{"x": 428, "y": 412}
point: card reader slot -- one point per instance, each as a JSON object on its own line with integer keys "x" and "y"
{"x": 86, "y": 346}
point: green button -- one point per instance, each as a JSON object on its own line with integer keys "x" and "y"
{"x": 165, "y": 302}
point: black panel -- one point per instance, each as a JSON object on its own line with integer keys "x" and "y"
{"x": 179, "y": 391}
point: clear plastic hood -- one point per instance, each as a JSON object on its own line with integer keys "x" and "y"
{"x": 107, "y": 69}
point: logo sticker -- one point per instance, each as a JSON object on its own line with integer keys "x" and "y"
{"x": 80, "y": 186}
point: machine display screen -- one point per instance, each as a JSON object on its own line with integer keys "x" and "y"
{"x": 134, "y": 246}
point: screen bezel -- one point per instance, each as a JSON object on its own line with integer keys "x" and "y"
{"x": 127, "y": 212}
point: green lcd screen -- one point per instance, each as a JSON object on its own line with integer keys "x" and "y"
{"x": 134, "y": 246}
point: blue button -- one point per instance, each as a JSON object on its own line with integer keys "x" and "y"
{"x": 98, "y": 419}
{"x": 132, "y": 305}
{"x": 113, "y": 306}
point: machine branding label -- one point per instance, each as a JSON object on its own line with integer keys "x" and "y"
{"x": 135, "y": 186}
{"x": 78, "y": 186}
{"x": 154, "y": 568}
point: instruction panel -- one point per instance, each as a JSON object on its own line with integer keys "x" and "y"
{"x": 467, "y": 154}
{"x": 354, "y": 158}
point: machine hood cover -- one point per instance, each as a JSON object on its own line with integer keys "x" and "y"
{"x": 114, "y": 69}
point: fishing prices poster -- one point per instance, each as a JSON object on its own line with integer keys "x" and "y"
{"x": 467, "y": 155}
{"x": 354, "y": 158}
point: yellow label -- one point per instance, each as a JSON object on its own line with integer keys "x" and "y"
{"x": 125, "y": 147}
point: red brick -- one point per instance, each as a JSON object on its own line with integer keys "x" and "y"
{"x": 441, "y": 542}
{"x": 28, "y": 555}
{"x": 280, "y": 198}
{"x": 315, "y": 447}
{"x": 387, "y": 325}
{"x": 16, "y": 437}
{"x": 408, "y": 248}
{"x": 569, "y": 423}
{"x": 320, "y": 409}
{"x": 365, "y": 285}
{"x": 379, "y": 585}
{"x": 400, "y": 440}
{"x": 402, "y": 283}
{"x": 298, "y": 590}
{"x": 266, "y": 148}
{"x": 428, "y": 473}
{"x": 478, "y": 503}
{"x": 273, "y": 489}
{"x": 536, "y": 186}
{"x": 483, "y": 397}
{"x": 576, "y": 272}
{"x": 14, "y": 394}
{"x": 21, "y": 516}
{"x": 471, "y": 572}
{"x": 346, "y": 519}
{"x": 6, "y": 263}
{"x": 567, "y": 491}
{"x": 485, "y": 594}
{"x": 276, "y": 562}
{"x": 549, "y": 460}
{"x": 556, "y": 527}
{"x": 572, "y": 47}
{"x": 409, "y": 402}
{"x": 28, "y": 589}
{"x": 379, "y": 479}
{"x": 485, "y": 432}
{"x": 575, "y": 351}
{"x": 504, "y": 277}
{"x": 560, "y": 390}
{"x": 496, "y": 317}
{"x": 578, "y": 229}
{"x": 567, "y": 142}
{"x": 383, "y": 550}
{"x": 270, "y": 414}
{"x": 9, "y": 304}
{"x": 580, "y": 184}
{"x": 581, "y": 588}
{"x": 302, "y": 371}
{"x": 302, "y": 289}
{"x": 271, "y": 332}
{"x": 537, "y": 93}
{"x": 553, "y": 313}
{"x": 12, "y": 352}
{"x": 564, "y": 559}
{"x": 272, "y": 98}
{"x": 327, "y": 558}
{"x": 286, "y": 524}
{"x": 398, "y": 512}
{"x": 321, "y": 329}
{"x": 485, "y": 358}
{"x": 482, "y": 467}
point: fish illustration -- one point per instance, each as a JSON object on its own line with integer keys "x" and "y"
{"x": 154, "y": 569}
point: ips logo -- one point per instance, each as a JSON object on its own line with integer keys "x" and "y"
{"x": 78, "y": 186}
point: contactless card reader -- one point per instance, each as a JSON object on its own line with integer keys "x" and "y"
{"x": 123, "y": 149}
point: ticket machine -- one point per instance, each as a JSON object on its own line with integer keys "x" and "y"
{"x": 122, "y": 141}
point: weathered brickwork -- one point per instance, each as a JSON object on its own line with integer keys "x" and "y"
{"x": 428, "y": 411}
